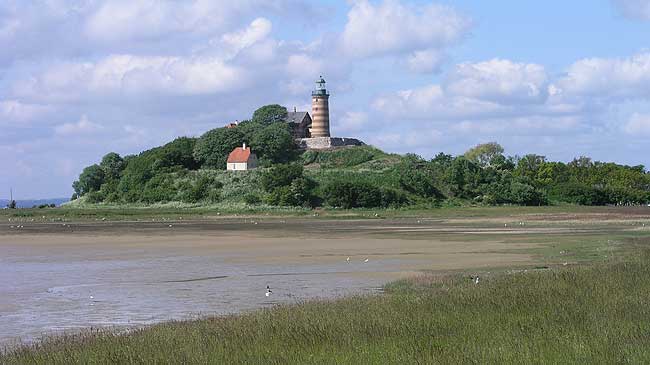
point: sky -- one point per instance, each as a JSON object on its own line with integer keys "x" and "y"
{"x": 81, "y": 78}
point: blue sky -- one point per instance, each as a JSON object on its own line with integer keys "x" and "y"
{"x": 80, "y": 78}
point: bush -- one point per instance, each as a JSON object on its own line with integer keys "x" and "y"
{"x": 360, "y": 194}
{"x": 280, "y": 176}
{"x": 252, "y": 199}
{"x": 201, "y": 190}
{"x": 94, "y": 197}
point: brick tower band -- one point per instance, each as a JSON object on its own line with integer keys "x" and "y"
{"x": 320, "y": 111}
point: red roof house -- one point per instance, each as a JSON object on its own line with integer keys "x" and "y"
{"x": 241, "y": 158}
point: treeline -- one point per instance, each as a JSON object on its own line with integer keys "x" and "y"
{"x": 191, "y": 170}
{"x": 156, "y": 175}
{"x": 484, "y": 175}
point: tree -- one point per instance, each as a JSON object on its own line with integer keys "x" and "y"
{"x": 483, "y": 154}
{"x": 529, "y": 165}
{"x": 269, "y": 114}
{"x": 280, "y": 175}
{"x": 91, "y": 179}
{"x": 112, "y": 164}
{"x": 416, "y": 177}
{"x": 179, "y": 152}
{"x": 212, "y": 149}
{"x": 274, "y": 143}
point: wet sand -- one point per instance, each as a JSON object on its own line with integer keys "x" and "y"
{"x": 66, "y": 276}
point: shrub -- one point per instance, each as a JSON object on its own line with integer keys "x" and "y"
{"x": 280, "y": 176}
{"x": 252, "y": 199}
{"x": 359, "y": 194}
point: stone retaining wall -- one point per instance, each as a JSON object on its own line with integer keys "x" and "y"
{"x": 324, "y": 143}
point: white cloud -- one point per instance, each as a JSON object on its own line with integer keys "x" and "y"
{"x": 425, "y": 61}
{"x": 634, "y": 9}
{"x": 16, "y": 111}
{"x": 392, "y": 27}
{"x": 616, "y": 78}
{"x": 120, "y": 20}
{"x": 432, "y": 103}
{"x": 132, "y": 75}
{"x": 638, "y": 125}
{"x": 352, "y": 121}
{"x": 499, "y": 80}
{"x": 83, "y": 126}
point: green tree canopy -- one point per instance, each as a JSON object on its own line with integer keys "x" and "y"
{"x": 91, "y": 179}
{"x": 269, "y": 114}
{"x": 483, "y": 154}
{"x": 274, "y": 143}
{"x": 112, "y": 164}
{"x": 212, "y": 149}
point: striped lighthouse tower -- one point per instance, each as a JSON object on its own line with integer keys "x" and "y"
{"x": 320, "y": 111}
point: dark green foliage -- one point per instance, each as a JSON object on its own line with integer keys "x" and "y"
{"x": 418, "y": 177}
{"x": 212, "y": 149}
{"x": 94, "y": 197}
{"x": 112, "y": 164}
{"x": 372, "y": 178}
{"x": 269, "y": 114}
{"x": 274, "y": 144}
{"x": 287, "y": 186}
{"x": 205, "y": 188}
{"x": 280, "y": 175}
{"x": 179, "y": 152}
{"x": 360, "y": 194}
{"x": 252, "y": 199}
{"x": 91, "y": 179}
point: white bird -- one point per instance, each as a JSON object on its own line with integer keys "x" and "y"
{"x": 476, "y": 280}
{"x": 268, "y": 291}
{"x": 366, "y": 260}
{"x": 348, "y": 259}
{"x": 170, "y": 226}
{"x": 565, "y": 264}
{"x": 91, "y": 297}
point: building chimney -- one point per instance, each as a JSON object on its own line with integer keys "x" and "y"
{"x": 244, "y": 146}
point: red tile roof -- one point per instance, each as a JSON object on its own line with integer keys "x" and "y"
{"x": 239, "y": 155}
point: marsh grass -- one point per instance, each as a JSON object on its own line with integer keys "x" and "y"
{"x": 590, "y": 314}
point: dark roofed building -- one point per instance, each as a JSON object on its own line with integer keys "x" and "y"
{"x": 300, "y": 123}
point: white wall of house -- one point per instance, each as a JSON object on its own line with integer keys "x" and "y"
{"x": 237, "y": 166}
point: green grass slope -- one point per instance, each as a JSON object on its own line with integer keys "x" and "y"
{"x": 582, "y": 315}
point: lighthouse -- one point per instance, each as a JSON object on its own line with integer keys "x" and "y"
{"x": 320, "y": 111}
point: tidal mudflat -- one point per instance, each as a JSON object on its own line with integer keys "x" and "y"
{"x": 59, "y": 277}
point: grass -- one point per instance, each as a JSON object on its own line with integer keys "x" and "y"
{"x": 201, "y": 211}
{"x": 592, "y": 314}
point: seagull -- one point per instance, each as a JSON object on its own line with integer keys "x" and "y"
{"x": 366, "y": 260}
{"x": 268, "y": 291}
{"x": 348, "y": 259}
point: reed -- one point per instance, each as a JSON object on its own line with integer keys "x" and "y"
{"x": 584, "y": 315}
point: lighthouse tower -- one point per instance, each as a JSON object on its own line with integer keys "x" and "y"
{"x": 320, "y": 111}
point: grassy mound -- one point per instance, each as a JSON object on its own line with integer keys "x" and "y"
{"x": 595, "y": 314}
{"x": 348, "y": 157}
